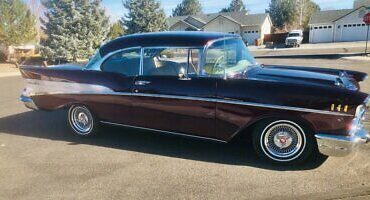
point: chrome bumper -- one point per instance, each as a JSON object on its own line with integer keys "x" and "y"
{"x": 333, "y": 145}
{"x": 28, "y": 102}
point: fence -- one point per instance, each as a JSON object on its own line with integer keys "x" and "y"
{"x": 279, "y": 38}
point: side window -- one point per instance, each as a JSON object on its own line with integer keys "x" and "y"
{"x": 126, "y": 62}
{"x": 226, "y": 57}
{"x": 170, "y": 61}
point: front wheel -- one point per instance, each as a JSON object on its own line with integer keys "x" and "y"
{"x": 81, "y": 121}
{"x": 282, "y": 141}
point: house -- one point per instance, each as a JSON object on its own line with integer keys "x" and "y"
{"x": 249, "y": 26}
{"x": 340, "y": 25}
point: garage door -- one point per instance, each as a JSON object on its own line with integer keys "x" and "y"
{"x": 322, "y": 34}
{"x": 251, "y": 36}
{"x": 354, "y": 32}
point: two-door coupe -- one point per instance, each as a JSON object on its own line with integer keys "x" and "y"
{"x": 207, "y": 86}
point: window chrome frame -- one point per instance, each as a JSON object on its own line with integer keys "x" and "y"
{"x": 201, "y": 50}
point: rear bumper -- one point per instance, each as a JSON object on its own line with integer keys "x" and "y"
{"x": 28, "y": 102}
{"x": 334, "y": 145}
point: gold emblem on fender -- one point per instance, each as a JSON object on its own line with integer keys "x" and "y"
{"x": 345, "y": 108}
{"x": 339, "y": 108}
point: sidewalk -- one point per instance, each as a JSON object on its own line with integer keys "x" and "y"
{"x": 8, "y": 70}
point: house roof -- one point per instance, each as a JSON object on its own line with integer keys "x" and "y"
{"x": 329, "y": 16}
{"x": 241, "y": 18}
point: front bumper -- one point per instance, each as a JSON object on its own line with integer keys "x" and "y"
{"x": 28, "y": 102}
{"x": 334, "y": 145}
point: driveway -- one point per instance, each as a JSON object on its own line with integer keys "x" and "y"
{"x": 40, "y": 159}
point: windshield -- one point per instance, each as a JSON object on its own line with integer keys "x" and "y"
{"x": 227, "y": 58}
{"x": 93, "y": 60}
{"x": 293, "y": 35}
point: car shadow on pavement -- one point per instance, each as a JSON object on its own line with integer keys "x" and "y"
{"x": 53, "y": 126}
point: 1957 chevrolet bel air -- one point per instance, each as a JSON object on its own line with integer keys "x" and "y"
{"x": 207, "y": 86}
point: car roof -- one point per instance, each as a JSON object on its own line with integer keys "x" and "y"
{"x": 170, "y": 39}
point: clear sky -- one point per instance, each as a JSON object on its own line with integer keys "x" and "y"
{"x": 116, "y": 10}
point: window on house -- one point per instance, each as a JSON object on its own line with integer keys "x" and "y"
{"x": 330, "y": 27}
{"x": 338, "y": 26}
{"x": 345, "y": 25}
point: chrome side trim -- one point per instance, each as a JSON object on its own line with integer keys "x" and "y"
{"x": 42, "y": 87}
{"x": 166, "y": 132}
{"x": 238, "y": 102}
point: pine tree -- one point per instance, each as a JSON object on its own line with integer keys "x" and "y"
{"x": 144, "y": 16}
{"x": 116, "y": 30}
{"x": 17, "y": 23}
{"x": 187, "y": 7}
{"x": 74, "y": 29}
{"x": 235, "y": 6}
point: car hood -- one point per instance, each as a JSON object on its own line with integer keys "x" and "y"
{"x": 294, "y": 76}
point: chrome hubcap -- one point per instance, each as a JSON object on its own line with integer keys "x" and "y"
{"x": 81, "y": 120}
{"x": 283, "y": 141}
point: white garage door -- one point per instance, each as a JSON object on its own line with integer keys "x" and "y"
{"x": 251, "y": 36}
{"x": 322, "y": 34}
{"x": 354, "y": 32}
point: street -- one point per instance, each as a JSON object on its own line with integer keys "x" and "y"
{"x": 41, "y": 159}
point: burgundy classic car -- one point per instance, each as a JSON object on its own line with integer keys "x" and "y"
{"x": 206, "y": 86}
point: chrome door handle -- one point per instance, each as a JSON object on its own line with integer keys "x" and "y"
{"x": 142, "y": 82}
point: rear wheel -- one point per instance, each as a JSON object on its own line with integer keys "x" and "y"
{"x": 82, "y": 121}
{"x": 282, "y": 141}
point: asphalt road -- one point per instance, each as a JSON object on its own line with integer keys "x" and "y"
{"x": 40, "y": 159}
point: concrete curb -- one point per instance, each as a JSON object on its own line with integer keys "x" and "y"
{"x": 313, "y": 56}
